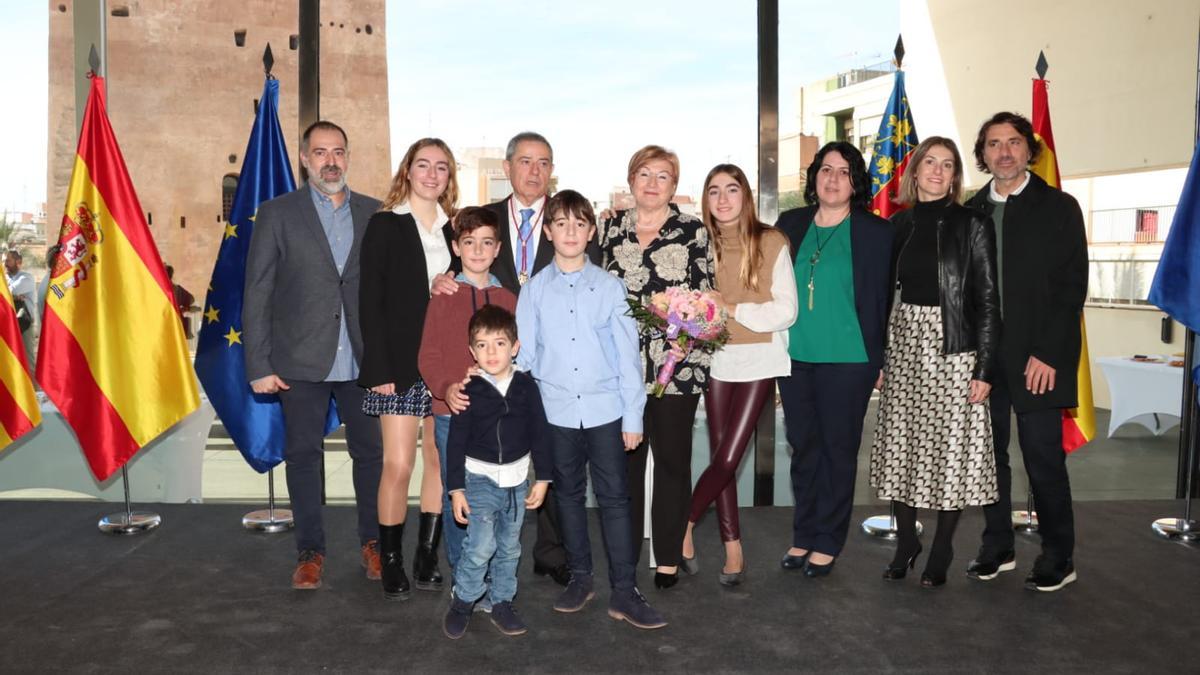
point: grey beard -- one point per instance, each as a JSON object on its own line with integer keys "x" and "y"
{"x": 327, "y": 187}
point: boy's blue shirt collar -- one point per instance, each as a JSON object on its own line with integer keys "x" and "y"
{"x": 463, "y": 279}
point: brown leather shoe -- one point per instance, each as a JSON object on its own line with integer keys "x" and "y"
{"x": 308, "y": 571}
{"x": 370, "y": 559}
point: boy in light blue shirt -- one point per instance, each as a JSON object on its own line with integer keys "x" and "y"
{"x": 582, "y": 348}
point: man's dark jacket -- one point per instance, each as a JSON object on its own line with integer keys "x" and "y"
{"x": 1043, "y": 284}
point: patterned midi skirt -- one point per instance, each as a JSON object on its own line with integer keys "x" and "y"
{"x": 932, "y": 449}
{"x": 414, "y": 401}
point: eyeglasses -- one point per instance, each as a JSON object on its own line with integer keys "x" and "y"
{"x": 648, "y": 176}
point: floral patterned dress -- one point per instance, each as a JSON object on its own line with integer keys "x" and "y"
{"x": 679, "y": 256}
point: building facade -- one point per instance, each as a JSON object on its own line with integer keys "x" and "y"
{"x": 183, "y": 82}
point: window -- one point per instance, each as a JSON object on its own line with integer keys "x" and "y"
{"x": 228, "y": 188}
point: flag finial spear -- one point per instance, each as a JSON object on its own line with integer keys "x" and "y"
{"x": 268, "y": 61}
{"x": 94, "y": 60}
{"x": 1042, "y": 66}
{"x": 899, "y": 50}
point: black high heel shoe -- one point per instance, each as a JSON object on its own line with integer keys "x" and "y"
{"x": 932, "y": 579}
{"x": 794, "y": 562}
{"x": 813, "y": 570}
{"x": 665, "y": 581}
{"x": 894, "y": 573}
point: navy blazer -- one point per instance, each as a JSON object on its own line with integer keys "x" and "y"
{"x": 871, "y": 257}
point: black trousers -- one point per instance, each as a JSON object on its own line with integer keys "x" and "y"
{"x": 1039, "y": 434}
{"x": 548, "y": 549}
{"x": 304, "y": 409}
{"x": 823, "y": 409}
{"x": 668, "y": 426}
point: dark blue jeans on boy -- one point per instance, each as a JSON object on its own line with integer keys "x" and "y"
{"x": 603, "y": 449}
{"x": 493, "y": 535}
{"x": 451, "y": 530}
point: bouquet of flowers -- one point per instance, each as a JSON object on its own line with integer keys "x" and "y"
{"x": 689, "y": 319}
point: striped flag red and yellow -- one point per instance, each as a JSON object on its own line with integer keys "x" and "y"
{"x": 113, "y": 357}
{"x": 1079, "y": 424}
{"x": 19, "y": 411}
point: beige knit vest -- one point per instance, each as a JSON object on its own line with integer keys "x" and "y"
{"x": 773, "y": 243}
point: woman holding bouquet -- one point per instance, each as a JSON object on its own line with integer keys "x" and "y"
{"x": 756, "y": 289}
{"x": 933, "y": 441}
{"x": 842, "y": 271}
{"x": 406, "y": 244}
{"x": 653, "y": 247}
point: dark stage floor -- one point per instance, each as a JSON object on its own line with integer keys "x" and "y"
{"x": 202, "y": 595}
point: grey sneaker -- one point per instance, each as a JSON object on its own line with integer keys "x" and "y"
{"x": 631, "y": 606}
{"x": 484, "y": 604}
{"x": 504, "y": 616}
{"x": 575, "y": 595}
{"x": 457, "y": 618}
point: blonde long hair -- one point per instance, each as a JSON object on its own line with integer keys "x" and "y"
{"x": 399, "y": 190}
{"x": 750, "y": 229}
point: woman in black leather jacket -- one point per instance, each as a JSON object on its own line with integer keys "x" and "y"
{"x": 933, "y": 440}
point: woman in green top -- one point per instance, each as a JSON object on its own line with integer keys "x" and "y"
{"x": 843, "y": 276}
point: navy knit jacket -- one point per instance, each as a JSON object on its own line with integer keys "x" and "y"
{"x": 499, "y": 429}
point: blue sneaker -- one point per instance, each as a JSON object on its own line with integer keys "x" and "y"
{"x": 631, "y": 606}
{"x": 504, "y": 616}
{"x": 457, "y": 618}
{"x": 576, "y": 594}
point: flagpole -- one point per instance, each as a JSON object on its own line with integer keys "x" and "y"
{"x": 884, "y": 527}
{"x": 271, "y": 519}
{"x": 1186, "y": 529}
{"x": 129, "y": 522}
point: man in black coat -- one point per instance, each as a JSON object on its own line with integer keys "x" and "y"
{"x": 1041, "y": 247}
{"x": 524, "y": 251}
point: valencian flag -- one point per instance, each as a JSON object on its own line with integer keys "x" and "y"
{"x": 1079, "y": 424}
{"x": 113, "y": 357}
{"x": 19, "y": 410}
{"x": 894, "y": 146}
{"x": 1176, "y": 287}
{"x": 254, "y": 422}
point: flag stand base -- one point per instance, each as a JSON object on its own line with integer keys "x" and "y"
{"x": 884, "y": 527}
{"x": 129, "y": 522}
{"x": 1177, "y": 529}
{"x": 270, "y": 519}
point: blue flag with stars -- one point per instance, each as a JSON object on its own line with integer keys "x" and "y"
{"x": 254, "y": 421}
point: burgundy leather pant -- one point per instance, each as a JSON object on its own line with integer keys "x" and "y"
{"x": 732, "y": 409}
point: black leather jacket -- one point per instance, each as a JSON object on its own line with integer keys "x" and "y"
{"x": 967, "y": 288}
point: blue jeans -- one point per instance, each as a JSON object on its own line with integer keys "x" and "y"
{"x": 493, "y": 535}
{"x": 451, "y": 530}
{"x": 602, "y": 447}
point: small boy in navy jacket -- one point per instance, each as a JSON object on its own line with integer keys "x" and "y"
{"x": 487, "y": 466}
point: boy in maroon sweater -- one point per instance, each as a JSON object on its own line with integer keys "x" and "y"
{"x": 444, "y": 358}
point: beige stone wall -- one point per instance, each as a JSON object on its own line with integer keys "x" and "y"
{"x": 181, "y": 101}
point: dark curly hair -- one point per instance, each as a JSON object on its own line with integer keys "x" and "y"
{"x": 1018, "y": 122}
{"x": 860, "y": 181}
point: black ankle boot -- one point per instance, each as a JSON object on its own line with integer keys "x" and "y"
{"x": 425, "y": 565}
{"x": 395, "y": 581}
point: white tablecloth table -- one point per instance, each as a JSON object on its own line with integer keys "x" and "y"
{"x": 1149, "y": 394}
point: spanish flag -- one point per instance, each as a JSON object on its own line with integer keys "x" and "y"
{"x": 1079, "y": 424}
{"x": 19, "y": 411}
{"x": 113, "y": 357}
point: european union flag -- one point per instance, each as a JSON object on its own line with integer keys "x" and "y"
{"x": 894, "y": 146}
{"x": 254, "y": 422}
{"x": 1176, "y": 287}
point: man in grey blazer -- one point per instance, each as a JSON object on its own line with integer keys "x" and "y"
{"x": 302, "y": 338}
